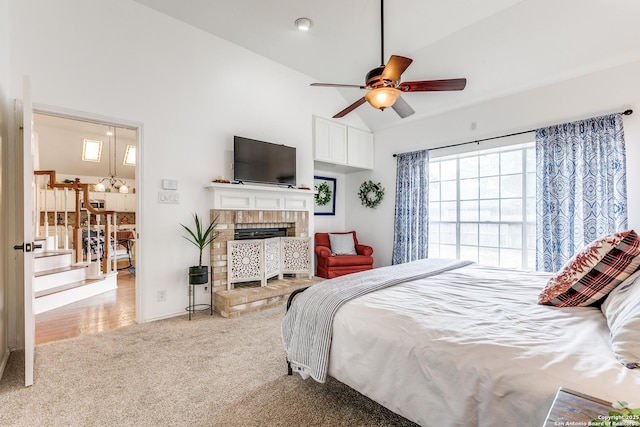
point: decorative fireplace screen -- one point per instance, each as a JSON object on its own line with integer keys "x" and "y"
{"x": 262, "y": 259}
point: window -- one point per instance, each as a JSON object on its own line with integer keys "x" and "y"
{"x": 91, "y": 150}
{"x": 130, "y": 156}
{"x": 482, "y": 206}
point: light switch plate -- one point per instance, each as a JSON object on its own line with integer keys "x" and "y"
{"x": 168, "y": 197}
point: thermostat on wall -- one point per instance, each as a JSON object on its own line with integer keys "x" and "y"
{"x": 169, "y": 184}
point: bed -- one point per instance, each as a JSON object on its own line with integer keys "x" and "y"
{"x": 461, "y": 344}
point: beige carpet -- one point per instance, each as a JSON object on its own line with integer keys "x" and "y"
{"x": 209, "y": 371}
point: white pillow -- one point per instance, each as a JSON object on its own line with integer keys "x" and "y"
{"x": 342, "y": 244}
{"x": 622, "y": 310}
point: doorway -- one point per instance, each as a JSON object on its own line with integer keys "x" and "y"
{"x": 103, "y": 154}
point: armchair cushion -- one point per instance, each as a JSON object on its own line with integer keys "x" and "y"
{"x": 346, "y": 260}
{"x": 342, "y": 244}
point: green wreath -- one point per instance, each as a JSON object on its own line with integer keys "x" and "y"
{"x": 371, "y": 194}
{"x": 323, "y": 194}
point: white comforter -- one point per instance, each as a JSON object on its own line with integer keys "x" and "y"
{"x": 471, "y": 347}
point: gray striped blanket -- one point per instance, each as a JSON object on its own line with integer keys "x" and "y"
{"x": 307, "y": 326}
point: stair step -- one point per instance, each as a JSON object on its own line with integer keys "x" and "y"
{"x": 52, "y": 277}
{"x": 52, "y": 253}
{"x": 67, "y": 286}
{"x": 49, "y": 300}
{"x": 48, "y": 260}
{"x": 42, "y": 242}
{"x": 60, "y": 270}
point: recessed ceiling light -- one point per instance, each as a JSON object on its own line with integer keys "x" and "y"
{"x": 303, "y": 24}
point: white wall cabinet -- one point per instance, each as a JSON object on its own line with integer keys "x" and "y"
{"x": 345, "y": 146}
{"x": 360, "y": 148}
{"x": 330, "y": 141}
{"x": 120, "y": 202}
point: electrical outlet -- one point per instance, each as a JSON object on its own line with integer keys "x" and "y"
{"x": 162, "y": 295}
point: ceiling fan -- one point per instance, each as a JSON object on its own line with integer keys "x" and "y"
{"x": 384, "y": 85}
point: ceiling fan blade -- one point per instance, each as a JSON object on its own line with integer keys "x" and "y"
{"x": 402, "y": 108}
{"x": 350, "y": 108}
{"x": 395, "y": 67}
{"x": 433, "y": 85}
{"x": 335, "y": 85}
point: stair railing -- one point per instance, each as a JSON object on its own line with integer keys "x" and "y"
{"x": 81, "y": 192}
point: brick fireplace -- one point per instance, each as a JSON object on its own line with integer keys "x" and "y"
{"x": 252, "y": 206}
{"x": 296, "y": 224}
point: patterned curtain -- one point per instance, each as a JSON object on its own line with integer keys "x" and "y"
{"x": 411, "y": 228}
{"x": 581, "y": 190}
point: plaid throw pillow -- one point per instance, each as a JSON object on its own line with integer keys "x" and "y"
{"x": 594, "y": 272}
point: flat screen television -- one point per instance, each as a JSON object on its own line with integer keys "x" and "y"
{"x": 263, "y": 162}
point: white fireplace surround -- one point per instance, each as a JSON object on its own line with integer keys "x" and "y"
{"x": 259, "y": 197}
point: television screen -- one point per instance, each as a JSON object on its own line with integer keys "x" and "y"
{"x": 260, "y": 161}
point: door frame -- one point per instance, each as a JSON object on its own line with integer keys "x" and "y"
{"x": 139, "y": 127}
{"x": 24, "y": 113}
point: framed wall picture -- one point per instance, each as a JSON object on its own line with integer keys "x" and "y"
{"x": 325, "y": 197}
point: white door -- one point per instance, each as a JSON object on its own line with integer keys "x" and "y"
{"x": 27, "y": 246}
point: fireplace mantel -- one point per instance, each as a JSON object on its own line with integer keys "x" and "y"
{"x": 259, "y": 197}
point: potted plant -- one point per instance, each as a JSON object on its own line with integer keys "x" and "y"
{"x": 200, "y": 237}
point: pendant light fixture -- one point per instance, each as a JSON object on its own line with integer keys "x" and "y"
{"x": 112, "y": 179}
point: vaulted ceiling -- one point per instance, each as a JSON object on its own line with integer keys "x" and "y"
{"x": 60, "y": 142}
{"x": 500, "y": 46}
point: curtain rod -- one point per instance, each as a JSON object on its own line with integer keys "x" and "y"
{"x": 477, "y": 141}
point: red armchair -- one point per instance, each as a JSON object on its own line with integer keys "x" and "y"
{"x": 330, "y": 266}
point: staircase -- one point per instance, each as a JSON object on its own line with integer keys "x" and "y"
{"x": 59, "y": 281}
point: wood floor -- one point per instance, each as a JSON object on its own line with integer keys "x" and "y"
{"x": 104, "y": 312}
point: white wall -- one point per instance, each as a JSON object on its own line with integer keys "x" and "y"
{"x": 189, "y": 91}
{"x": 596, "y": 94}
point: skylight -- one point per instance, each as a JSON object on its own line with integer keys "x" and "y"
{"x": 91, "y": 150}
{"x": 130, "y": 156}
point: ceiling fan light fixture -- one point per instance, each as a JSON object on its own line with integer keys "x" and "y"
{"x": 382, "y": 83}
{"x": 382, "y": 97}
{"x": 303, "y": 24}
